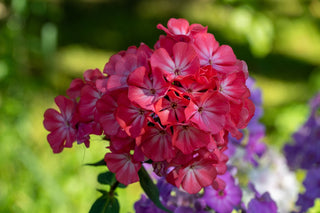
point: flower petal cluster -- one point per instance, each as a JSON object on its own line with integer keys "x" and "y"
{"x": 174, "y": 105}
{"x": 76, "y": 119}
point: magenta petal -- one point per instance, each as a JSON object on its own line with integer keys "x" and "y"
{"x": 205, "y": 45}
{"x": 144, "y": 91}
{"x": 52, "y": 120}
{"x": 122, "y": 165}
{"x": 106, "y": 108}
{"x": 161, "y": 59}
{"x": 130, "y": 117}
{"x": 208, "y": 112}
{"x": 196, "y": 176}
{"x": 156, "y": 143}
{"x": 188, "y": 138}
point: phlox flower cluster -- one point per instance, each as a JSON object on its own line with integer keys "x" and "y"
{"x": 173, "y": 106}
{"x": 304, "y": 154}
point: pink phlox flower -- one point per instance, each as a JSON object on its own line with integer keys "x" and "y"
{"x": 166, "y": 43}
{"x": 207, "y": 76}
{"x": 188, "y": 138}
{"x": 181, "y": 159}
{"x": 171, "y": 108}
{"x": 121, "y": 144}
{"x": 208, "y": 111}
{"x": 84, "y": 131}
{"x": 239, "y": 117}
{"x": 184, "y": 62}
{"x": 233, "y": 87}
{"x": 190, "y": 87}
{"x": 193, "y": 177}
{"x": 121, "y": 67}
{"x": 62, "y": 126}
{"x": 156, "y": 143}
{"x": 106, "y": 114}
{"x": 110, "y": 66}
{"x": 243, "y": 67}
{"x": 242, "y": 113}
{"x": 221, "y": 58}
{"x": 146, "y": 88}
{"x": 87, "y": 104}
{"x": 90, "y": 76}
{"x": 125, "y": 168}
{"x": 75, "y": 87}
{"x": 180, "y": 30}
{"x": 221, "y": 166}
{"x": 220, "y": 139}
{"x": 131, "y": 117}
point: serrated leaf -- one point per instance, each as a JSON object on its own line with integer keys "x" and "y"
{"x": 150, "y": 188}
{"x": 99, "y": 163}
{"x": 105, "y": 204}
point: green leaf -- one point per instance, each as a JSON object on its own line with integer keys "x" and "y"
{"x": 99, "y": 163}
{"x": 108, "y": 178}
{"x": 105, "y": 204}
{"x": 150, "y": 188}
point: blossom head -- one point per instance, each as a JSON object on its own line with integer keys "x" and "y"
{"x": 174, "y": 105}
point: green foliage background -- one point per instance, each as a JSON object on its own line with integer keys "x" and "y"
{"x": 44, "y": 44}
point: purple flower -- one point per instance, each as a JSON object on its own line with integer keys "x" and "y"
{"x": 144, "y": 205}
{"x": 312, "y": 189}
{"x": 224, "y": 201}
{"x": 304, "y": 202}
{"x": 312, "y": 183}
{"x": 261, "y": 203}
{"x": 304, "y": 153}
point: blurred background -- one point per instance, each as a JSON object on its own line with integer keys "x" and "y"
{"x": 44, "y": 44}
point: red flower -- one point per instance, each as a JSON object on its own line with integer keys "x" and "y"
{"x": 220, "y": 58}
{"x": 208, "y": 111}
{"x": 145, "y": 88}
{"x": 180, "y": 29}
{"x": 106, "y": 114}
{"x": 233, "y": 87}
{"x": 61, "y": 125}
{"x": 194, "y": 176}
{"x": 188, "y": 138}
{"x": 132, "y": 119}
{"x": 87, "y": 104}
{"x": 125, "y": 168}
{"x": 156, "y": 143}
{"x": 184, "y": 62}
{"x": 171, "y": 109}
{"x": 123, "y": 64}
